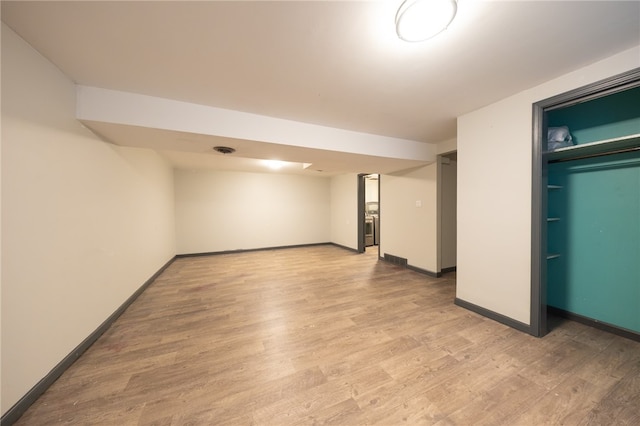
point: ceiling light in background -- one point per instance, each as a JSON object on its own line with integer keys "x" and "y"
{"x": 419, "y": 20}
{"x": 274, "y": 164}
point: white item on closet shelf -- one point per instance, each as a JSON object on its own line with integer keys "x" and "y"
{"x": 558, "y": 137}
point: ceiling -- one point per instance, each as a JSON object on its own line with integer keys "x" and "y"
{"x": 331, "y": 63}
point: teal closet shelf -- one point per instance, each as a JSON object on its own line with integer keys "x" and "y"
{"x": 594, "y": 148}
{"x": 552, "y": 256}
{"x": 553, "y": 219}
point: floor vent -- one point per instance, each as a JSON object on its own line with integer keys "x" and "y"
{"x": 396, "y": 260}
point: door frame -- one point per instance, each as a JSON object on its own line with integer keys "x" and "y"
{"x": 361, "y": 212}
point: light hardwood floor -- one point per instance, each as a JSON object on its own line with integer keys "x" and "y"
{"x": 321, "y": 335}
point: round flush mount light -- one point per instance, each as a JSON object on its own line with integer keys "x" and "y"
{"x": 419, "y": 20}
{"x": 224, "y": 149}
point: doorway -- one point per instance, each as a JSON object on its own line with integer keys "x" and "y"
{"x": 368, "y": 212}
{"x": 447, "y": 211}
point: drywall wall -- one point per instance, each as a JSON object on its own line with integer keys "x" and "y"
{"x": 98, "y": 104}
{"x": 84, "y": 223}
{"x": 223, "y": 210}
{"x": 344, "y": 210}
{"x": 494, "y": 192}
{"x": 408, "y": 216}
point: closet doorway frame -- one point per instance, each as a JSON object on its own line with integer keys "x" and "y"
{"x": 608, "y": 86}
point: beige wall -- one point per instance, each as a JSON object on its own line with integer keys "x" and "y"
{"x": 407, "y": 230}
{"x": 494, "y": 192}
{"x": 84, "y": 223}
{"x": 223, "y": 210}
{"x": 344, "y": 210}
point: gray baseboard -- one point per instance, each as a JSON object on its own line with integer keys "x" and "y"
{"x": 402, "y": 262}
{"x": 494, "y": 316}
{"x": 344, "y": 247}
{"x": 13, "y": 414}
{"x": 614, "y": 329}
{"x": 425, "y": 271}
{"x": 213, "y": 253}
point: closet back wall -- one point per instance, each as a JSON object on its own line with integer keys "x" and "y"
{"x": 598, "y": 237}
{"x": 223, "y": 210}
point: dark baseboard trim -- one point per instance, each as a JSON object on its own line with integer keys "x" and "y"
{"x": 620, "y": 331}
{"x": 14, "y": 413}
{"x": 344, "y": 247}
{"x": 425, "y": 271}
{"x": 403, "y": 263}
{"x": 214, "y": 253}
{"x": 493, "y": 315}
{"x": 451, "y": 269}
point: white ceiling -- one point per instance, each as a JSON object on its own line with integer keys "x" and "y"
{"x": 332, "y": 63}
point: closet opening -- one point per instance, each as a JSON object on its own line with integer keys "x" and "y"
{"x": 586, "y": 207}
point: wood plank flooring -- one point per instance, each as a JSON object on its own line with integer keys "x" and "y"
{"x": 321, "y": 335}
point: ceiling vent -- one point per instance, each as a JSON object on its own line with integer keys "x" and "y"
{"x": 224, "y": 149}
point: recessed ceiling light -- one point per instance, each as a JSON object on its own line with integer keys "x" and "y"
{"x": 274, "y": 164}
{"x": 419, "y": 20}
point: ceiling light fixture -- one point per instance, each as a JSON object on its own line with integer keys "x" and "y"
{"x": 274, "y": 164}
{"x": 419, "y": 20}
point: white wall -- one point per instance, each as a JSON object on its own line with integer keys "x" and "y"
{"x": 407, "y": 230}
{"x": 494, "y": 192}
{"x": 84, "y": 223}
{"x": 222, "y": 210}
{"x": 344, "y": 210}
